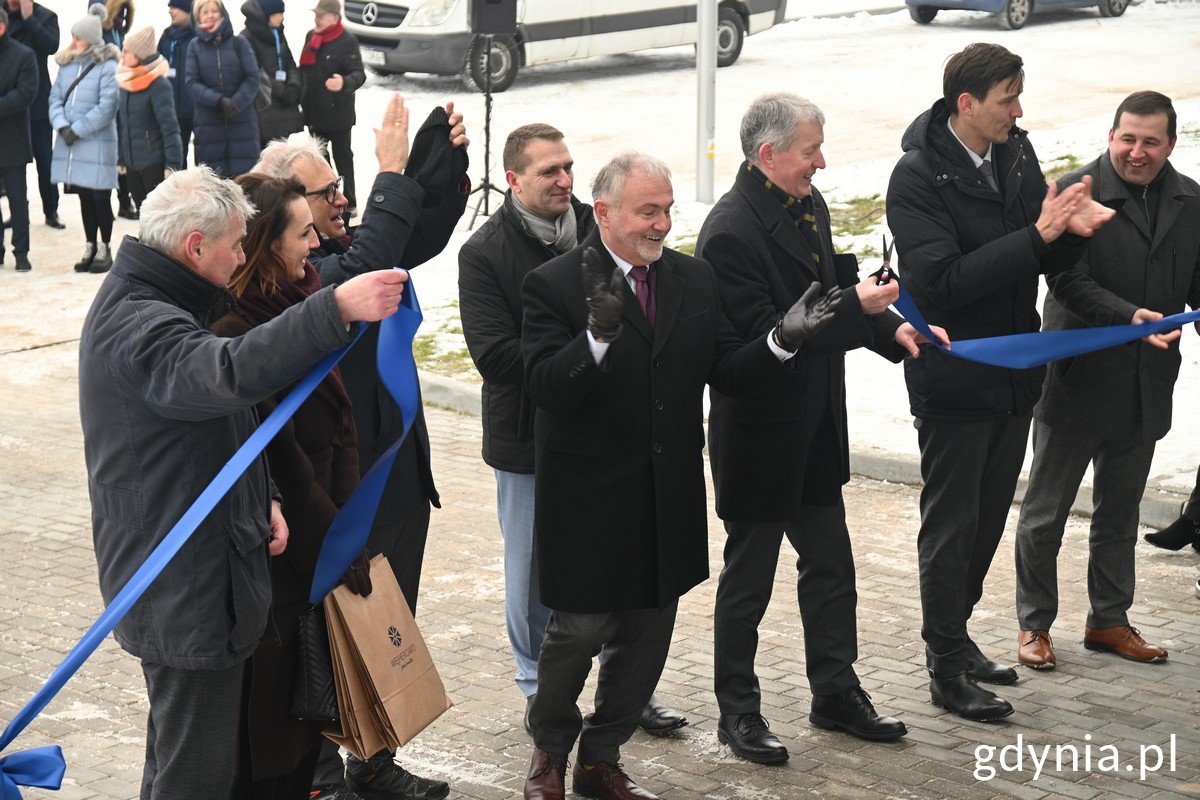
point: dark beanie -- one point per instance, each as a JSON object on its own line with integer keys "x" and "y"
{"x": 182, "y": 5}
{"x": 270, "y": 7}
{"x": 433, "y": 162}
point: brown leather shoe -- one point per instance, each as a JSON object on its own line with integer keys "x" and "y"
{"x": 547, "y": 776}
{"x": 1125, "y": 641}
{"x": 1034, "y": 649}
{"x": 607, "y": 782}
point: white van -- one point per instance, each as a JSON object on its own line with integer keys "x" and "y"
{"x": 433, "y": 35}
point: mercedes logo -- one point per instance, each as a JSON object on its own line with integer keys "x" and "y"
{"x": 370, "y": 13}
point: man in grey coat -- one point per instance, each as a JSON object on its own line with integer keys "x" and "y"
{"x": 1109, "y": 408}
{"x": 164, "y": 404}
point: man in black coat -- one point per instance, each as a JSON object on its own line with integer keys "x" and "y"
{"x": 975, "y": 225}
{"x": 1109, "y": 408}
{"x": 619, "y": 337}
{"x": 173, "y": 46}
{"x": 780, "y": 456}
{"x": 18, "y": 89}
{"x": 540, "y": 219}
{"x": 407, "y": 220}
{"x": 36, "y": 27}
{"x": 331, "y": 70}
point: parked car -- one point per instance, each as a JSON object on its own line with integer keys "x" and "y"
{"x": 434, "y": 35}
{"x": 1013, "y": 13}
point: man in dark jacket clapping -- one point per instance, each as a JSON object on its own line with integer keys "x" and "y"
{"x": 36, "y": 27}
{"x": 332, "y": 71}
{"x": 18, "y": 88}
{"x": 975, "y": 225}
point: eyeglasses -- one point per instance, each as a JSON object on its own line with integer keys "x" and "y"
{"x": 330, "y": 192}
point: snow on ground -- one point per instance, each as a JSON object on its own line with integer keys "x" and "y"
{"x": 872, "y": 71}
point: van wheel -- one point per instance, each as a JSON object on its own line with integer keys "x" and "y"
{"x": 731, "y": 32}
{"x": 504, "y": 63}
{"x": 1113, "y": 8}
{"x": 922, "y": 15}
{"x": 1015, "y": 14}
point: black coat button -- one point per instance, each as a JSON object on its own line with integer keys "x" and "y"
{"x": 658, "y": 405}
{"x": 658, "y": 448}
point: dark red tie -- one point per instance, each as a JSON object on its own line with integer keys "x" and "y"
{"x": 645, "y": 292}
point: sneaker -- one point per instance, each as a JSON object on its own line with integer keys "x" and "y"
{"x": 89, "y": 254}
{"x": 23, "y": 264}
{"x": 103, "y": 260}
{"x": 381, "y": 778}
{"x": 332, "y": 792}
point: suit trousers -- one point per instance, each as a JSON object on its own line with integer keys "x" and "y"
{"x": 42, "y": 137}
{"x": 824, "y": 589}
{"x": 970, "y": 471}
{"x": 13, "y": 179}
{"x": 191, "y": 731}
{"x": 1120, "y": 468}
{"x": 524, "y": 615}
{"x": 635, "y": 646}
{"x": 339, "y": 146}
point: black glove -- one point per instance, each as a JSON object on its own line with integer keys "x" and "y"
{"x": 603, "y": 290}
{"x": 358, "y": 575}
{"x": 806, "y": 317}
{"x": 68, "y": 135}
{"x": 226, "y": 108}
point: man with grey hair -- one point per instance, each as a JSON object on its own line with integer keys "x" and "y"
{"x": 619, "y": 337}
{"x": 780, "y": 456}
{"x": 409, "y": 215}
{"x": 164, "y": 404}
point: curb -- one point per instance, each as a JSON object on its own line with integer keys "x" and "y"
{"x": 1159, "y": 508}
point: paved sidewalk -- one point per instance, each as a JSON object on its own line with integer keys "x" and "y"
{"x": 48, "y": 597}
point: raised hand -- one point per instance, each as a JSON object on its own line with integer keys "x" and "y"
{"x": 391, "y": 138}
{"x": 603, "y": 290}
{"x": 806, "y": 317}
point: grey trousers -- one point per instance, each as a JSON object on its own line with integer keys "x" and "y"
{"x": 635, "y": 650}
{"x": 970, "y": 471}
{"x": 191, "y": 732}
{"x": 825, "y": 591}
{"x": 1119, "y": 478}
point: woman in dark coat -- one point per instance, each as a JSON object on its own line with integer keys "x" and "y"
{"x": 147, "y": 128}
{"x": 314, "y": 464}
{"x": 222, "y": 78}
{"x": 332, "y": 70}
{"x": 264, "y": 32}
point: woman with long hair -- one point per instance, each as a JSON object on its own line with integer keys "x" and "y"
{"x": 83, "y": 109}
{"x": 314, "y": 464}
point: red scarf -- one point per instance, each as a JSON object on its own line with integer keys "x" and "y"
{"x": 317, "y": 40}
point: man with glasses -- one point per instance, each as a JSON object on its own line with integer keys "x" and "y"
{"x": 408, "y": 218}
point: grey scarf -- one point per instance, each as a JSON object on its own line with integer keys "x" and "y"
{"x": 559, "y": 235}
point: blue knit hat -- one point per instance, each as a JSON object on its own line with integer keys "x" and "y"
{"x": 182, "y": 5}
{"x": 270, "y": 7}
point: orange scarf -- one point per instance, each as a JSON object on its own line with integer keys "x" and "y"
{"x": 137, "y": 79}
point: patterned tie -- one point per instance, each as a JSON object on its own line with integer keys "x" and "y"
{"x": 985, "y": 172}
{"x": 643, "y": 278}
{"x": 802, "y": 212}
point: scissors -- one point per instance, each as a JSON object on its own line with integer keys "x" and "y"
{"x": 884, "y": 274}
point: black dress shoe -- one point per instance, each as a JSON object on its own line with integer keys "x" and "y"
{"x": 851, "y": 711}
{"x": 529, "y": 707}
{"x": 749, "y": 737}
{"x": 659, "y": 720}
{"x": 960, "y": 695}
{"x": 985, "y": 670}
{"x": 53, "y": 221}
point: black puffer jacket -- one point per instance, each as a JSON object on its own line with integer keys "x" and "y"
{"x": 971, "y": 257}
{"x": 325, "y": 110}
{"x": 491, "y": 267}
{"x": 282, "y": 118}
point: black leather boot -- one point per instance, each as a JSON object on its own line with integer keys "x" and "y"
{"x": 1176, "y": 536}
{"x": 851, "y": 711}
{"x": 960, "y": 695}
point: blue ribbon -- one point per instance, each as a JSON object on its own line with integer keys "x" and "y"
{"x": 43, "y": 767}
{"x": 1025, "y": 350}
{"x": 350, "y": 529}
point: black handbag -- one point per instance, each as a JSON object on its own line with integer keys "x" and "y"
{"x": 313, "y": 693}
